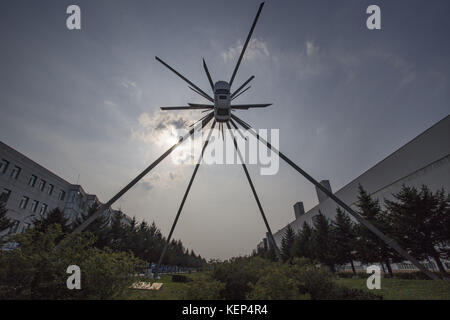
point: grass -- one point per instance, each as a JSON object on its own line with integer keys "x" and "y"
{"x": 169, "y": 291}
{"x": 400, "y": 289}
{"x": 391, "y": 289}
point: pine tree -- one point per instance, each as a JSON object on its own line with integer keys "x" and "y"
{"x": 117, "y": 233}
{"x": 287, "y": 244}
{"x": 55, "y": 216}
{"x": 303, "y": 242}
{"x": 420, "y": 222}
{"x": 99, "y": 227}
{"x": 371, "y": 249}
{"x": 344, "y": 238}
{"x": 323, "y": 244}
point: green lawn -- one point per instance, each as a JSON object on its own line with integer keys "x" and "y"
{"x": 169, "y": 291}
{"x": 391, "y": 289}
{"x": 399, "y": 289}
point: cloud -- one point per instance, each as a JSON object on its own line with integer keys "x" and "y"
{"x": 148, "y": 183}
{"x": 129, "y": 88}
{"x": 256, "y": 49}
{"x": 163, "y": 129}
{"x": 178, "y": 123}
{"x": 153, "y": 127}
{"x": 311, "y": 48}
{"x": 174, "y": 175}
{"x": 320, "y": 130}
{"x": 127, "y": 83}
{"x": 405, "y": 69}
{"x": 109, "y": 103}
{"x": 162, "y": 180}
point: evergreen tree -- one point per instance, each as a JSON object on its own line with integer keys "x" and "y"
{"x": 55, "y": 216}
{"x": 143, "y": 240}
{"x": 287, "y": 244}
{"x": 420, "y": 222}
{"x": 99, "y": 227}
{"x": 371, "y": 249}
{"x": 323, "y": 244}
{"x": 344, "y": 238}
{"x": 270, "y": 253}
{"x": 117, "y": 233}
{"x": 303, "y": 242}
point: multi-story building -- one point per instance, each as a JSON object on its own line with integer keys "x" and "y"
{"x": 425, "y": 160}
{"x": 29, "y": 190}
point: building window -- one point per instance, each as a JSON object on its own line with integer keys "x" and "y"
{"x": 15, "y": 173}
{"x": 34, "y": 205}
{"x": 4, "y": 165}
{"x": 62, "y": 195}
{"x": 23, "y": 202}
{"x": 4, "y": 196}
{"x": 32, "y": 180}
{"x": 41, "y": 185}
{"x": 26, "y": 225}
{"x": 43, "y": 209}
{"x": 71, "y": 197}
{"x": 14, "y": 226}
{"x": 49, "y": 189}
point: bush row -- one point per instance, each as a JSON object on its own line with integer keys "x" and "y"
{"x": 256, "y": 278}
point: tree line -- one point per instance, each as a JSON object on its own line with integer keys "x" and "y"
{"x": 418, "y": 219}
{"x": 144, "y": 240}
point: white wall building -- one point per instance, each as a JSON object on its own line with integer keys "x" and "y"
{"x": 423, "y": 160}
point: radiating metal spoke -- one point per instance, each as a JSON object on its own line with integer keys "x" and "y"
{"x": 390, "y": 242}
{"x": 274, "y": 244}
{"x": 241, "y": 87}
{"x": 208, "y": 75}
{"x": 185, "y": 79}
{"x": 199, "y": 93}
{"x": 246, "y": 43}
{"x": 169, "y": 237}
{"x": 193, "y": 124}
{"x": 111, "y": 201}
{"x": 241, "y": 93}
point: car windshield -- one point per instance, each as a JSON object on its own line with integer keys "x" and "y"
{"x": 219, "y": 91}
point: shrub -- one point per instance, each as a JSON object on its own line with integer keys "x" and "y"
{"x": 180, "y": 278}
{"x": 256, "y": 278}
{"x": 37, "y": 268}
{"x": 412, "y": 275}
{"x": 349, "y": 275}
{"x": 276, "y": 285}
{"x": 344, "y": 293}
{"x": 204, "y": 288}
{"x": 106, "y": 274}
{"x": 317, "y": 281}
{"x": 238, "y": 274}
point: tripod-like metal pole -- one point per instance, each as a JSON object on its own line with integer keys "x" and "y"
{"x": 274, "y": 244}
{"x": 105, "y": 206}
{"x": 169, "y": 237}
{"x": 390, "y": 242}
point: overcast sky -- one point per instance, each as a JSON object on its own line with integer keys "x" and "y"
{"x": 86, "y": 103}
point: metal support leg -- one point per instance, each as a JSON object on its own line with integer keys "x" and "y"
{"x": 105, "y": 206}
{"x": 274, "y": 244}
{"x": 390, "y": 242}
{"x": 169, "y": 237}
